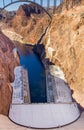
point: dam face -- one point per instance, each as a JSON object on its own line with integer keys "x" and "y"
{"x": 58, "y": 108}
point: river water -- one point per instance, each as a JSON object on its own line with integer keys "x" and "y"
{"x": 36, "y": 73}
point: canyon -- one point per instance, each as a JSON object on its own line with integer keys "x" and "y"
{"x": 63, "y": 45}
{"x": 29, "y": 22}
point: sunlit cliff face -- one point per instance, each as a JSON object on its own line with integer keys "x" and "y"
{"x": 65, "y": 37}
{"x": 7, "y": 64}
{"x": 30, "y": 22}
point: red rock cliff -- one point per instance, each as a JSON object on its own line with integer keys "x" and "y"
{"x": 7, "y": 64}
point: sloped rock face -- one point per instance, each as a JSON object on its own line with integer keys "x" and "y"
{"x": 30, "y": 22}
{"x": 64, "y": 46}
{"x": 7, "y": 64}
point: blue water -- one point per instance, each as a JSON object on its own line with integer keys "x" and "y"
{"x": 36, "y": 74}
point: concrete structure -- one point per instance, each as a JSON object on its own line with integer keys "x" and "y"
{"x": 49, "y": 87}
{"x": 59, "y": 109}
{"x": 56, "y": 85}
{"x": 62, "y": 91}
{"x": 21, "y": 93}
{"x": 44, "y": 115}
{"x": 7, "y": 124}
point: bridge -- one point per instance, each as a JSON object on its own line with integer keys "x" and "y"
{"x": 46, "y": 5}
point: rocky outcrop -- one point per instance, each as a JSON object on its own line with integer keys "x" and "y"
{"x": 6, "y": 16}
{"x": 64, "y": 46}
{"x": 30, "y": 22}
{"x": 28, "y": 9}
{"x": 7, "y": 64}
{"x": 68, "y": 4}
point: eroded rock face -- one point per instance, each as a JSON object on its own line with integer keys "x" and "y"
{"x": 7, "y": 64}
{"x": 64, "y": 46}
{"x": 30, "y": 22}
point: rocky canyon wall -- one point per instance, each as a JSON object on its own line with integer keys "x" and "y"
{"x": 30, "y": 22}
{"x": 7, "y": 64}
{"x": 64, "y": 46}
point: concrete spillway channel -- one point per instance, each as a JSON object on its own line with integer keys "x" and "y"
{"x": 59, "y": 110}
